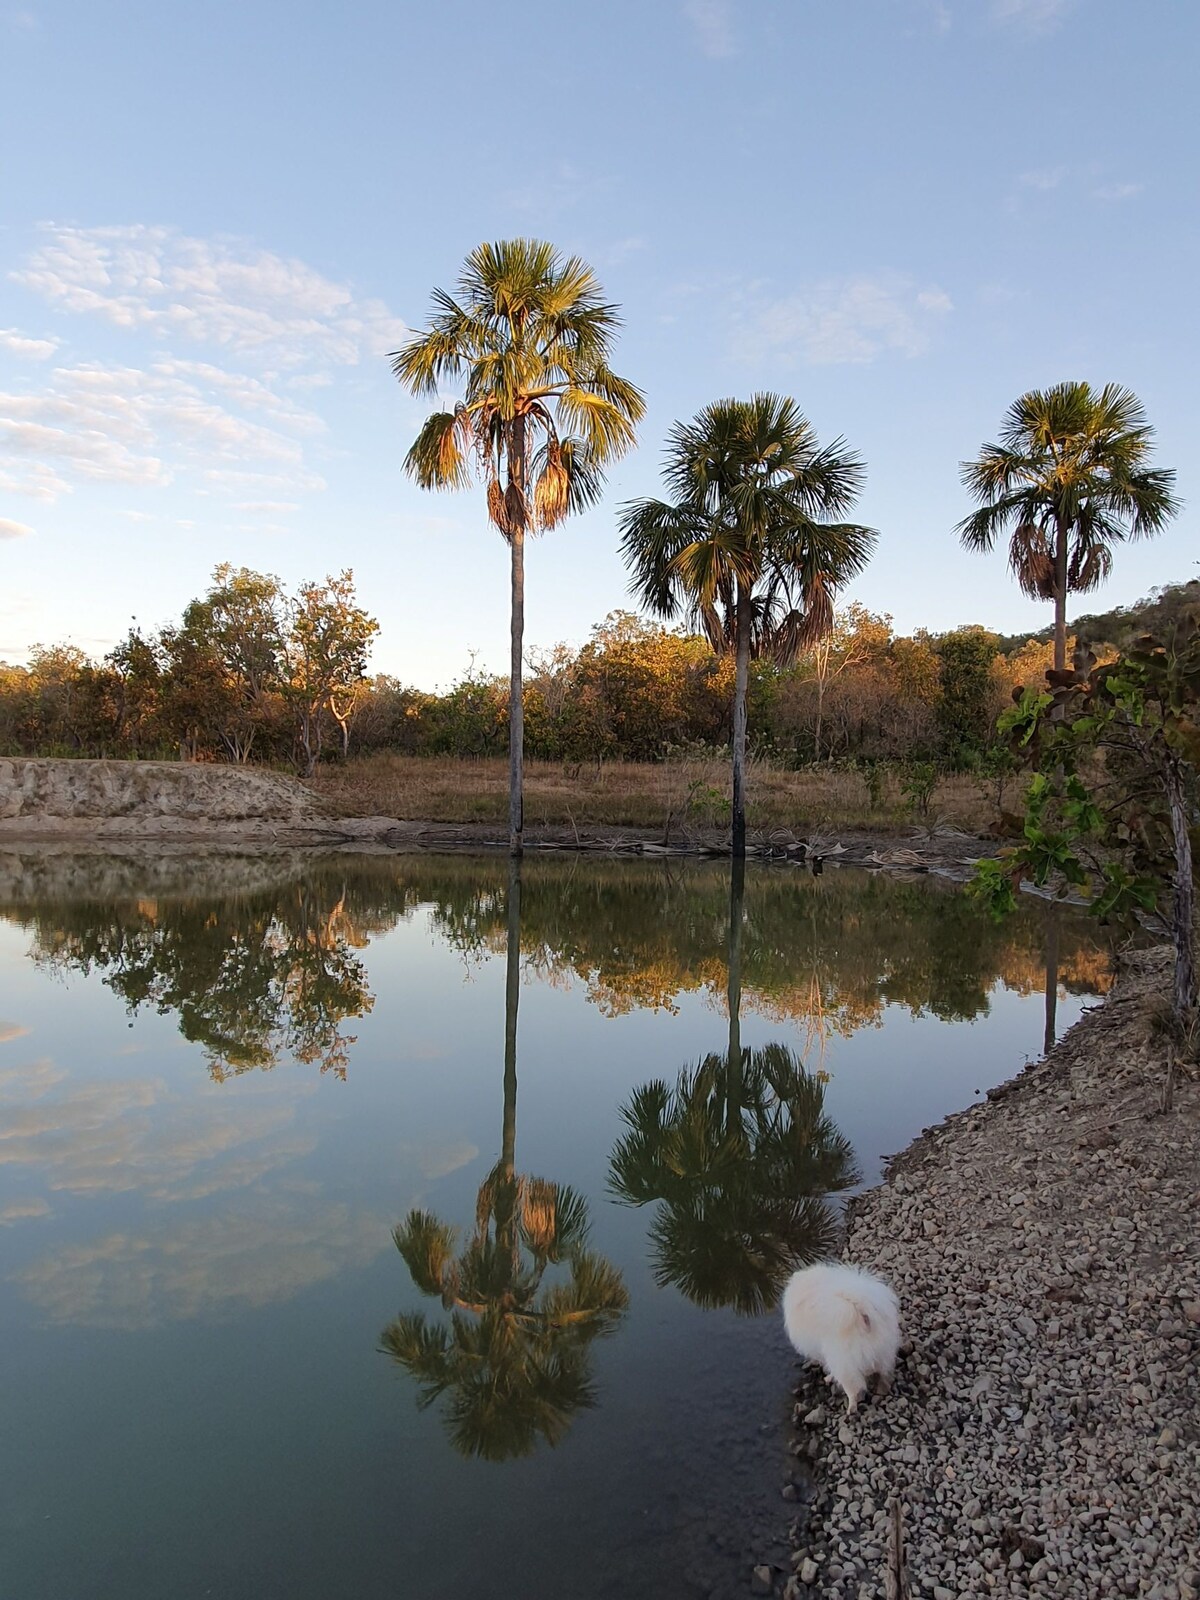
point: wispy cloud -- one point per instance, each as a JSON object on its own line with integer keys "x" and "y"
{"x": 229, "y": 337}
{"x": 20, "y": 344}
{"x": 1031, "y": 16}
{"x": 712, "y": 26}
{"x": 1043, "y": 179}
{"x": 844, "y": 320}
{"x": 1117, "y": 191}
{"x": 13, "y": 530}
{"x": 223, "y": 293}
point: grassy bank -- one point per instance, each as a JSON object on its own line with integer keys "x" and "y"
{"x": 689, "y": 795}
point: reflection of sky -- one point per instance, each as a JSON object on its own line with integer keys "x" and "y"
{"x": 197, "y": 1273}
{"x": 160, "y": 1180}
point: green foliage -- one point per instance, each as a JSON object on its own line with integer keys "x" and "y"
{"x": 920, "y": 781}
{"x": 1112, "y": 805}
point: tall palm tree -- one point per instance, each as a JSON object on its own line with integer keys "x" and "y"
{"x": 529, "y": 335}
{"x": 1068, "y": 480}
{"x": 741, "y": 547}
{"x": 514, "y": 1358}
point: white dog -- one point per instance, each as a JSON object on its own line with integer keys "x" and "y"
{"x": 847, "y": 1320}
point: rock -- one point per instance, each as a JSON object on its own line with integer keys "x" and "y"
{"x": 762, "y": 1580}
{"x": 808, "y": 1571}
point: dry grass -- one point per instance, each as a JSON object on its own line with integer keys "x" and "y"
{"x": 693, "y": 793}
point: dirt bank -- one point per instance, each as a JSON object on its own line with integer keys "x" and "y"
{"x": 1043, "y": 1437}
{"x": 164, "y": 801}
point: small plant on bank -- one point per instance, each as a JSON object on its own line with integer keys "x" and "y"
{"x": 875, "y": 775}
{"x": 920, "y": 780}
{"x": 1113, "y": 803}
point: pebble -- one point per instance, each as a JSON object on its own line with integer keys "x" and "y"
{"x": 1052, "y": 1341}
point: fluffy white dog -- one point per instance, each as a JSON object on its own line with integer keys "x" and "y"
{"x": 847, "y": 1320}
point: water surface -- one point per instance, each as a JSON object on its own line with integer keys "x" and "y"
{"x": 292, "y": 1144}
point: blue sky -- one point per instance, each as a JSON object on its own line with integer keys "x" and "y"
{"x": 218, "y": 219}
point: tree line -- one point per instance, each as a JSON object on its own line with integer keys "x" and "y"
{"x": 247, "y": 675}
{"x": 250, "y": 672}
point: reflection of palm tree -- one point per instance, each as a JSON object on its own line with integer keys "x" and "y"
{"x": 742, "y": 1155}
{"x": 514, "y": 1358}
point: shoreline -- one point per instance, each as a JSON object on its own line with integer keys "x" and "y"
{"x": 1043, "y": 1434}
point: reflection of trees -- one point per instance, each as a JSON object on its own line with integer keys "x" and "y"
{"x": 514, "y": 1359}
{"x": 741, "y": 1156}
{"x": 272, "y": 968}
{"x": 830, "y": 953}
{"x": 253, "y": 978}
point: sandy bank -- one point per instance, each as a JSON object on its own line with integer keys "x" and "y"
{"x": 1043, "y": 1436}
{"x": 158, "y": 802}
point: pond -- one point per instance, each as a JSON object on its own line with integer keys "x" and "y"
{"x": 399, "y": 1226}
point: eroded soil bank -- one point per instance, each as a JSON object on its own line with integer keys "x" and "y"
{"x": 156, "y": 802}
{"x": 1043, "y": 1435}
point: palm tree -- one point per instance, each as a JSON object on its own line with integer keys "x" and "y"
{"x": 741, "y": 1156}
{"x": 529, "y": 334}
{"x": 740, "y": 547}
{"x": 1067, "y": 481}
{"x": 515, "y": 1356}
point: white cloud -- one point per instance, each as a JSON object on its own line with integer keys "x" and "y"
{"x": 230, "y": 336}
{"x": 20, "y": 344}
{"x": 13, "y": 530}
{"x": 147, "y": 427}
{"x": 1118, "y": 191}
{"x": 222, "y": 293}
{"x": 712, "y": 23}
{"x": 1032, "y": 16}
{"x": 847, "y": 320}
{"x": 1043, "y": 179}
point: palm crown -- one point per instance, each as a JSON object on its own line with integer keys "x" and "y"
{"x": 749, "y": 545}
{"x": 529, "y": 335}
{"x": 1068, "y": 480}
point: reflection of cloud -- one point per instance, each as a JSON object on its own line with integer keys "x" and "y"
{"x": 19, "y": 1085}
{"x": 11, "y": 1030}
{"x": 23, "y": 1211}
{"x": 133, "y": 1135}
{"x": 438, "y": 1158}
{"x": 212, "y": 1267}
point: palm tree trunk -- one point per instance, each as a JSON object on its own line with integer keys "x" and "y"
{"x": 1060, "y": 598}
{"x": 512, "y": 996}
{"x": 516, "y": 705}
{"x": 741, "y": 683}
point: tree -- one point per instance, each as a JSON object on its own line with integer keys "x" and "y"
{"x": 328, "y": 638}
{"x": 740, "y": 548}
{"x": 1067, "y": 481}
{"x": 1113, "y": 803}
{"x": 542, "y": 411}
{"x": 240, "y": 623}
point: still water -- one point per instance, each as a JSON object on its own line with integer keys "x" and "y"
{"x": 407, "y": 1227}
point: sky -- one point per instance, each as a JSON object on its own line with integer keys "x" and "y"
{"x": 219, "y": 218}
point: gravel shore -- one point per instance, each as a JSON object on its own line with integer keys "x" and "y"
{"x": 1043, "y": 1434}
